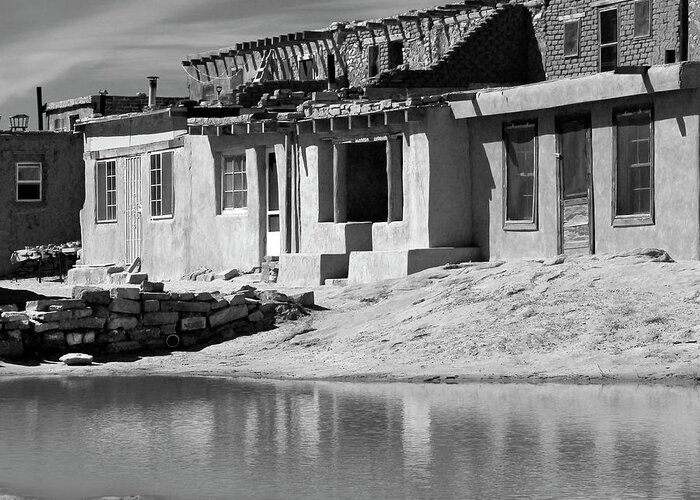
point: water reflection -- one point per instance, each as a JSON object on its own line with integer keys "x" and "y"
{"x": 212, "y": 438}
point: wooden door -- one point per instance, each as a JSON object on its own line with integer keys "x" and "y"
{"x": 132, "y": 176}
{"x": 576, "y": 234}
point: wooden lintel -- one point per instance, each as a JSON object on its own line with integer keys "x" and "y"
{"x": 415, "y": 114}
{"x": 397, "y": 117}
{"x": 359, "y": 122}
{"x": 339, "y": 123}
{"x": 322, "y": 125}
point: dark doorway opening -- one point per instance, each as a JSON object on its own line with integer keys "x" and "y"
{"x": 367, "y": 189}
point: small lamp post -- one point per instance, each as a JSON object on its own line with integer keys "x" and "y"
{"x": 19, "y": 123}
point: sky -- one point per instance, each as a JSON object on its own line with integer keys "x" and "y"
{"x": 73, "y": 48}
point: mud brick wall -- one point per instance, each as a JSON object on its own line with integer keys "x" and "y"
{"x": 549, "y": 26}
{"x": 135, "y": 319}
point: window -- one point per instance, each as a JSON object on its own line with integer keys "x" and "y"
{"x": 642, "y": 16}
{"x": 608, "y": 40}
{"x": 162, "y": 185}
{"x": 373, "y": 60}
{"x": 28, "y": 187}
{"x": 395, "y": 54}
{"x": 106, "y": 184}
{"x": 234, "y": 184}
{"x": 331, "y": 68}
{"x": 58, "y": 124}
{"x": 520, "y": 141}
{"x": 73, "y": 120}
{"x": 306, "y": 69}
{"x": 634, "y": 177}
{"x": 571, "y": 38}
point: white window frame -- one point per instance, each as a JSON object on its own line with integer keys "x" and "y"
{"x": 108, "y": 164}
{"x": 160, "y": 215}
{"x": 33, "y": 182}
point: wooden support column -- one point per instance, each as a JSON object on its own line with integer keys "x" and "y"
{"x": 394, "y": 175}
{"x": 340, "y": 183}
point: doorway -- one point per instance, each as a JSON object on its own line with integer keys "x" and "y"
{"x": 273, "y": 205}
{"x": 576, "y": 231}
{"x": 132, "y": 175}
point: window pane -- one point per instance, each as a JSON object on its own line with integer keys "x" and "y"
{"x": 101, "y": 184}
{"x": 608, "y": 58}
{"x": 228, "y": 182}
{"x": 167, "y": 190}
{"x": 28, "y": 172}
{"x": 238, "y": 200}
{"x": 634, "y": 173}
{"x": 273, "y": 224}
{"x": 228, "y": 201}
{"x": 574, "y": 160}
{"x": 642, "y": 25}
{"x": 29, "y": 192}
{"x": 228, "y": 166}
{"x": 571, "y": 35}
{"x": 273, "y": 202}
{"x": 608, "y": 26}
{"x": 520, "y": 153}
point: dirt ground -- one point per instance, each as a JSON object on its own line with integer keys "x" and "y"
{"x": 589, "y": 319}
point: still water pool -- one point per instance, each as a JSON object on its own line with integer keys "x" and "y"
{"x": 191, "y": 438}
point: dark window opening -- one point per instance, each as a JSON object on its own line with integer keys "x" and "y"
{"x": 608, "y": 40}
{"x": 395, "y": 54}
{"x": 73, "y": 120}
{"x": 635, "y": 178}
{"x": 306, "y": 69}
{"x": 670, "y": 56}
{"x": 571, "y": 38}
{"x": 521, "y": 154}
{"x": 331, "y": 68}
{"x": 642, "y": 18}
{"x": 373, "y": 60}
{"x": 367, "y": 191}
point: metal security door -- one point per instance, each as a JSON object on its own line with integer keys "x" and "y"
{"x": 133, "y": 209}
{"x": 576, "y": 234}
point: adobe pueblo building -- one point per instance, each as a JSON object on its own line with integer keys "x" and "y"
{"x": 376, "y": 149}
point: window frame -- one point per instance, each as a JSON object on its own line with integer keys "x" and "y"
{"x": 373, "y": 69}
{"x": 644, "y": 35}
{"x": 395, "y": 53}
{"x": 224, "y": 210}
{"x": 32, "y": 182}
{"x": 151, "y": 200}
{"x": 616, "y": 43}
{"x": 627, "y": 220}
{"x": 570, "y": 22}
{"x": 533, "y": 223}
{"x": 107, "y": 220}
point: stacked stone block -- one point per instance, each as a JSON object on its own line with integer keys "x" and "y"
{"x": 132, "y": 319}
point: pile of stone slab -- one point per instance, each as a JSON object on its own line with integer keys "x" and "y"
{"x": 126, "y": 319}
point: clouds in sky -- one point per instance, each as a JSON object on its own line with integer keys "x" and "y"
{"x": 77, "y": 47}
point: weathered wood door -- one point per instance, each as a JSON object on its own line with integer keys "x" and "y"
{"x": 576, "y": 231}
{"x": 132, "y": 177}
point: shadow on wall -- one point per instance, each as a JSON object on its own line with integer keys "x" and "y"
{"x": 483, "y": 186}
{"x": 20, "y": 297}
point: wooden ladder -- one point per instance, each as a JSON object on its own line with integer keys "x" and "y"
{"x": 263, "y": 67}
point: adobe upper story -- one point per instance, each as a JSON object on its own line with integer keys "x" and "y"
{"x": 460, "y": 45}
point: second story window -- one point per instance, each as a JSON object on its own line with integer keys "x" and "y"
{"x": 395, "y": 54}
{"x": 162, "y": 185}
{"x": 373, "y": 60}
{"x": 607, "y": 28}
{"x": 571, "y": 38}
{"x": 642, "y": 18}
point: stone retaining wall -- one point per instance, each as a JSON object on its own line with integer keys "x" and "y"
{"x": 129, "y": 319}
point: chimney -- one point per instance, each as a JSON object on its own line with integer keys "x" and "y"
{"x": 152, "y": 91}
{"x": 39, "y": 109}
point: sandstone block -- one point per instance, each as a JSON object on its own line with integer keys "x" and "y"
{"x": 53, "y": 341}
{"x": 125, "y": 306}
{"x": 129, "y": 293}
{"x": 203, "y": 296}
{"x": 144, "y": 334}
{"x": 306, "y": 299}
{"x": 227, "y": 274}
{"x": 10, "y": 347}
{"x": 49, "y": 316}
{"x": 87, "y": 323}
{"x": 61, "y": 304}
{"x": 151, "y": 306}
{"x": 11, "y": 317}
{"x": 122, "y": 321}
{"x": 74, "y": 338}
{"x": 136, "y": 278}
{"x": 155, "y": 296}
{"x": 231, "y": 313}
{"x": 152, "y": 286}
{"x": 17, "y": 325}
{"x": 100, "y": 311}
{"x": 168, "y": 329}
{"x": 160, "y": 318}
{"x": 219, "y": 304}
{"x": 40, "y": 327}
{"x": 235, "y": 300}
{"x": 272, "y": 296}
{"x": 91, "y": 295}
{"x": 81, "y": 313}
{"x": 111, "y": 336}
{"x": 198, "y": 307}
{"x": 89, "y": 337}
{"x": 182, "y": 296}
{"x": 256, "y": 316}
{"x": 193, "y": 323}
{"x": 8, "y": 308}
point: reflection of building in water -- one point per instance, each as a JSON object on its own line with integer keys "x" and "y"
{"x": 417, "y": 451}
{"x": 250, "y": 432}
{"x": 281, "y": 423}
{"x": 306, "y": 423}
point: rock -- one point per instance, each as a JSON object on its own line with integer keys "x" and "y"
{"x": 76, "y": 359}
{"x": 125, "y": 322}
{"x": 11, "y": 345}
{"x": 555, "y": 261}
{"x": 81, "y": 313}
{"x": 193, "y": 323}
{"x": 219, "y": 304}
{"x": 151, "y": 306}
{"x": 125, "y": 306}
{"x": 11, "y": 317}
{"x": 74, "y": 338}
{"x": 93, "y": 323}
{"x": 8, "y": 308}
{"x": 306, "y": 299}
{"x": 50, "y": 316}
{"x": 129, "y": 293}
{"x": 155, "y": 296}
{"x": 183, "y": 296}
{"x": 204, "y": 296}
{"x": 152, "y": 286}
{"x": 53, "y": 341}
{"x": 91, "y": 295}
{"x": 227, "y": 274}
{"x": 271, "y": 296}
{"x": 89, "y": 337}
{"x": 136, "y": 278}
{"x": 17, "y": 325}
{"x": 235, "y": 300}
{"x": 205, "y": 277}
{"x": 39, "y": 327}
{"x": 256, "y": 316}
{"x": 199, "y": 307}
{"x": 160, "y": 318}
{"x": 61, "y": 304}
{"x": 231, "y": 313}
{"x": 652, "y": 254}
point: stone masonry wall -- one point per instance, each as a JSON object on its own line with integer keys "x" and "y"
{"x": 133, "y": 319}
{"x": 549, "y": 25}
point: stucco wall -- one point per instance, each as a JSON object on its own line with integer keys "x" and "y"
{"x": 54, "y": 219}
{"x": 196, "y": 236}
{"x": 676, "y": 180}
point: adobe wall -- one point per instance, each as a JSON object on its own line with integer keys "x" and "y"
{"x": 54, "y": 219}
{"x": 676, "y": 180}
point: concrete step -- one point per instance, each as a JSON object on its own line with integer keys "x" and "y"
{"x": 336, "y": 282}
